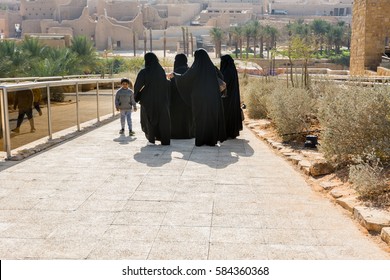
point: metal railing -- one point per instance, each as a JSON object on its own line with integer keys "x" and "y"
{"x": 5, "y": 89}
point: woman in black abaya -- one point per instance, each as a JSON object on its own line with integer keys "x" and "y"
{"x": 182, "y": 123}
{"x": 151, "y": 90}
{"x": 231, "y": 100}
{"x": 199, "y": 87}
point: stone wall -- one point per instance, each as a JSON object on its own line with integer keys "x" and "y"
{"x": 383, "y": 71}
{"x": 370, "y": 28}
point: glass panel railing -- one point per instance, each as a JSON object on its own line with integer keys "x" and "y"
{"x": 88, "y": 105}
{"x": 26, "y": 124}
{"x": 46, "y": 110}
{"x": 63, "y": 108}
{"x": 106, "y": 101}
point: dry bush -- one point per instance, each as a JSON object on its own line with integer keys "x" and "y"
{"x": 255, "y": 92}
{"x": 369, "y": 180}
{"x": 290, "y": 110}
{"x": 355, "y": 121}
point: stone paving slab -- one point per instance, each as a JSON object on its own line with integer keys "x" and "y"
{"x": 107, "y": 196}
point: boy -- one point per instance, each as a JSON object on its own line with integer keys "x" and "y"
{"x": 124, "y": 100}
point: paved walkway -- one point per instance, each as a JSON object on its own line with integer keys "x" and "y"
{"x": 105, "y": 196}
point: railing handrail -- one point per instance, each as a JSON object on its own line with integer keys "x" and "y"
{"x": 51, "y": 78}
{"x": 32, "y": 85}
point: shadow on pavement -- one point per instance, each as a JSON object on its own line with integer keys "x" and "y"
{"x": 229, "y": 152}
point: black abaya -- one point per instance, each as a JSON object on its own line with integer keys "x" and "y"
{"x": 182, "y": 123}
{"x": 152, "y": 89}
{"x": 199, "y": 87}
{"x": 231, "y": 102}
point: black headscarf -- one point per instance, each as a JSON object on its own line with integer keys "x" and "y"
{"x": 180, "y": 61}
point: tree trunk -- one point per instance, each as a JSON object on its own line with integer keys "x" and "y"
{"x": 261, "y": 47}
{"x": 192, "y": 44}
{"x": 145, "y": 41}
{"x": 254, "y": 47}
{"x": 134, "y": 45}
{"x": 240, "y": 48}
{"x": 306, "y": 74}
{"x": 184, "y": 39}
{"x": 247, "y": 47}
{"x": 187, "y": 42}
{"x": 165, "y": 43}
{"x": 150, "y": 38}
{"x": 291, "y": 72}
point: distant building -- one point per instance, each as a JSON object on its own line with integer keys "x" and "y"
{"x": 310, "y": 7}
{"x": 121, "y": 24}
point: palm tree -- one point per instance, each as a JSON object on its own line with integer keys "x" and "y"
{"x": 347, "y": 36}
{"x": 270, "y": 34}
{"x": 32, "y": 47}
{"x": 12, "y": 61}
{"x": 248, "y": 32}
{"x": 58, "y": 62}
{"x": 335, "y": 37}
{"x": 256, "y": 33}
{"x": 320, "y": 28}
{"x": 299, "y": 28}
{"x": 237, "y": 35}
{"x": 216, "y": 34}
{"x": 85, "y": 52}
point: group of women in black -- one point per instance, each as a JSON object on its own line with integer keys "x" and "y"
{"x": 189, "y": 103}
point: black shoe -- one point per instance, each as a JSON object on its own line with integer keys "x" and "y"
{"x": 122, "y": 131}
{"x": 131, "y": 133}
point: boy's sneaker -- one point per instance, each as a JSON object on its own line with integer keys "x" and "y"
{"x": 122, "y": 131}
{"x": 131, "y": 133}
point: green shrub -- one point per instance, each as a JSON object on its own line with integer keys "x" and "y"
{"x": 290, "y": 110}
{"x": 57, "y": 97}
{"x": 255, "y": 92}
{"x": 369, "y": 180}
{"x": 355, "y": 121}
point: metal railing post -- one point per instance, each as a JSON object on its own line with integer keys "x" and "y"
{"x": 5, "y": 123}
{"x": 97, "y": 101}
{"x": 113, "y": 98}
{"x": 77, "y": 107}
{"x": 49, "y": 120}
